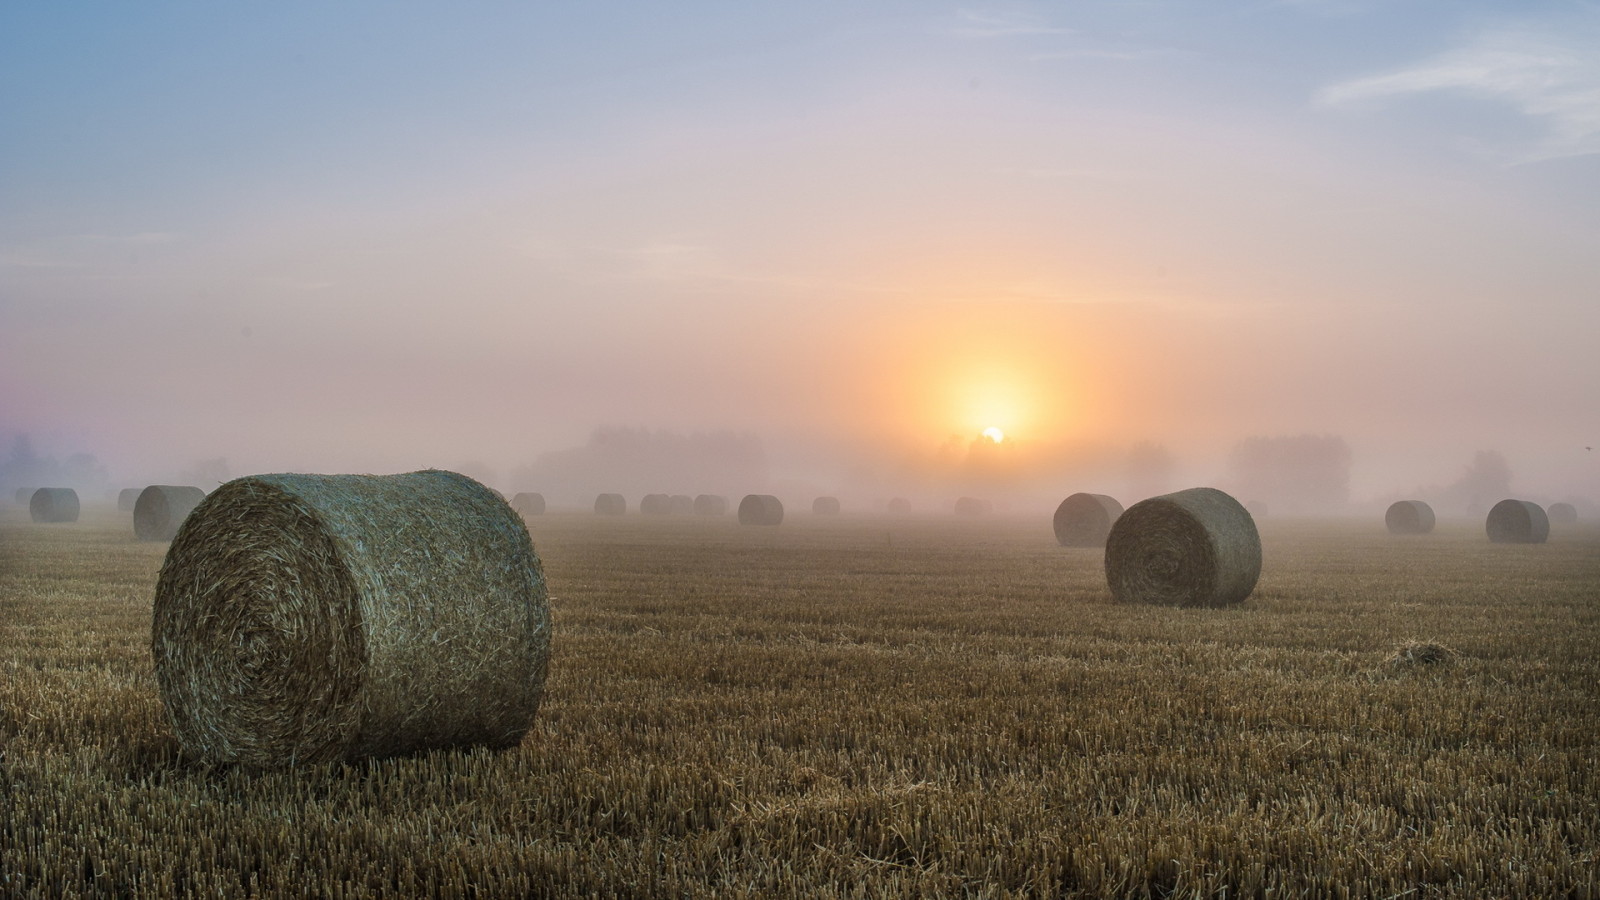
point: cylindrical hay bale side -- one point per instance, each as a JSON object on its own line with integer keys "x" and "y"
{"x": 760, "y": 509}
{"x": 528, "y": 504}
{"x": 1085, "y": 520}
{"x": 710, "y": 505}
{"x": 656, "y": 505}
{"x": 1562, "y": 514}
{"x": 161, "y": 508}
{"x": 128, "y": 498}
{"x": 48, "y": 505}
{"x": 971, "y": 506}
{"x": 1517, "y": 522}
{"x": 1197, "y": 547}
{"x": 1409, "y": 517}
{"x": 681, "y": 505}
{"x": 307, "y": 618}
{"x": 825, "y": 506}
{"x": 899, "y": 505}
{"x": 610, "y": 505}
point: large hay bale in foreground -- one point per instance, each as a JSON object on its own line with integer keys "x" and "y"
{"x": 610, "y": 505}
{"x": 161, "y": 508}
{"x": 972, "y": 506}
{"x": 1197, "y": 547}
{"x": 1409, "y": 517}
{"x": 306, "y": 618}
{"x": 710, "y": 505}
{"x": 1085, "y": 520}
{"x": 681, "y": 505}
{"x": 1517, "y": 522}
{"x": 1562, "y": 514}
{"x": 128, "y": 498}
{"x": 527, "y": 503}
{"x": 48, "y": 505}
{"x": 760, "y": 509}
{"x": 825, "y": 506}
{"x": 656, "y": 504}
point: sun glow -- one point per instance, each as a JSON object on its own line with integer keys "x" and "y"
{"x": 994, "y": 434}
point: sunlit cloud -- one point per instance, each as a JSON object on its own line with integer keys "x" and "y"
{"x": 984, "y": 24}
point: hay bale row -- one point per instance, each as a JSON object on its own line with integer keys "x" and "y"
{"x": 50, "y": 505}
{"x": 656, "y": 505}
{"x": 825, "y": 506}
{"x": 710, "y": 505}
{"x": 1197, "y": 547}
{"x": 610, "y": 505}
{"x": 307, "y": 618}
{"x": 527, "y": 503}
{"x": 1085, "y": 520}
{"x": 1562, "y": 514}
{"x": 1517, "y": 522}
{"x": 161, "y": 508}
{"x": 760, "y": 509}
{"x": 972, "y": 506}
{"x": 127, "y": 499}
{"x": 1409, "y": 517}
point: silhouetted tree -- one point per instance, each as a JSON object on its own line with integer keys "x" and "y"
{"x": 1305, "y": 473}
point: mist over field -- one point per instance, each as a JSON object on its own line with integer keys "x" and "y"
{"x": 1321, "y": 255}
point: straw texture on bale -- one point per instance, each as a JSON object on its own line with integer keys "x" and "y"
{"x": 760, "y": 509}
{"x": 528, "y": 504}
{"x": 161, "y": 508}
{"x": 899, "y": 505}
{"x": 1197, "y": 547}
{"x": 1085, "y": 520}
{"x": 309, "y": 618}
{"x": 1409, "y": 517}
{"x": 1517, "y": 522}
{"x": 53, "y": 505}
{"x": 825, "y": 506}
{"x": 710, "y": 505}
{"x": 127, "y": 499}
{"x": 681, "y": 505}
{"x": 972, "y": 506}
{"x": 1562, "y": 513}
{"x": 656, "y": 504}
{"x": 610, "y": 505}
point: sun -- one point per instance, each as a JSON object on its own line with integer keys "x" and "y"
{"x": 994, "y": 433}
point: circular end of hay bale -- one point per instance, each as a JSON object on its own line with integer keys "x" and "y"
{"x": 760, "y": 509}
{"x": 127, "y": 499}
{"x": 710, "y": 505}
{"x": 1562, "y": 514}
{"x": 610, "y": 505}
{"x": 53, "y": 505}
{"x": 655, "y": 505}
{"x": 825, "y": 506}
{"x": 971, "y": 506}
{"x": 528, "y": 504}
{"x": 1517, "y": 522}
{"x": 308, "y": 618}
{"x": 1409, "y": 517}
{"x": 1197, "y": 547}
{"x": 161, "y": 508}
{"x": 1085, "y": 520}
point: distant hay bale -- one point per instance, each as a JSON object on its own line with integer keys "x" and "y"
{"x": 1517, "y": 522}
{"x": 1197, "y": 547}
{"x": 1085, "y": 520}
{"x": 1562, "y": 514}
{"x": 681, "y": 505}
{"x": 47, "y": 505}
{"x": 825, "y": 506}
{"x": 527, "y": 503}
{"x": 610, "y": 505}
{"x": 127, "y": 498}
{"x": 1409, "y": 517}
{"x": 655, "y": 505}
{"x": 760, "y": 509}
{"x": 899, "y": 505}
{"x": 309, "y": 618}
{"x": 710, "y": 505}
{"x": 161, "y": 508}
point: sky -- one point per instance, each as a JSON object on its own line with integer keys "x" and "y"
{"x": 376, "y": 237}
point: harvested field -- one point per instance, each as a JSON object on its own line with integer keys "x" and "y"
{"x": 870, "y": 706}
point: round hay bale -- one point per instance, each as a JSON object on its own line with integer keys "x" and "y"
{"x": 825, "y": 506}
{"x": 710, "y": 505}
{"x": 1409, "y": 517}
{"x": 127, "y": 499}
{"x": 1562, "y": 514}
{"x": 48, "y": 505}
{"x": 681, "y": 505}
{"x": 528, "y": 504}
{"x": 899, "y": 506}
{"x": 161, "y": 508}
{"x": 655, "y": 505}
{"x": 610, "y": 505}
{"x": 760, "y": 509}
{"x": 308, "y": 618}
{"x": 1517, "y": 522}
{"x": 1085, "y": 520}
{"x": 1197, "y": 547}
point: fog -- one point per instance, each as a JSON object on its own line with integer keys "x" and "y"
{"x": 728, "y": 250}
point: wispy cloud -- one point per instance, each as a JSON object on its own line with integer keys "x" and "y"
{"x": 1549, "y": 76}
{"x": 983, "y": 24}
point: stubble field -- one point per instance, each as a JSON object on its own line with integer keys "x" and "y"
{"x": 868, "y": 707}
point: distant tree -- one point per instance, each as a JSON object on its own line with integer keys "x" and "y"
{"x": 24, "y": 467}
{"x": 206, "y": 474}
{"x": 1148, "y": 471}
{"x": 1300, "y": 474}
{"x": 1485, "y": 482}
